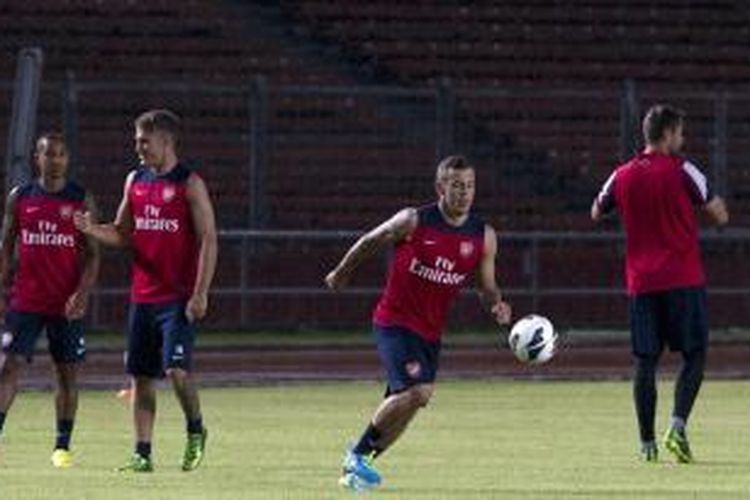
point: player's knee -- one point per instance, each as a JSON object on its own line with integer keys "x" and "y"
{"x": 646, "y": 365}
{"x": 144, "y": 394}
{"x": 66, "y": 377}
{"x": 143, "y": 387}
{"x": 422, "y": 394}
{"x": 177, "y": 375}
{"x": 695, "y": 359}
{"x": 697, "y": 355}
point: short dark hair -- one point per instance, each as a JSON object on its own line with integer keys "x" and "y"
{"x": 453, "y": 162}
{"x": 659, "y": 119}
{"x": 50, "y": 136}
{"x": 162, "y": 120}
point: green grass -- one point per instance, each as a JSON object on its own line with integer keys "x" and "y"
{"x": 531, "y": 439}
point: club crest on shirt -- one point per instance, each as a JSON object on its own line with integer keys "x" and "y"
{"x": 66, "y": 211}
{"x": 466, "y": 248}
{"x": 413, "y": 368}
{"x": 168, "y": 193}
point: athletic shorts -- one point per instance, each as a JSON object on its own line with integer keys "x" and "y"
{"x": 677, "y": 318}
{"x": 64, "y": 337}
{"x": 408, "y": 358}
{"x": 159, "y": 337}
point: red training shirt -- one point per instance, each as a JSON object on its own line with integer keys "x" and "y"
{"x": 656, "y": 195}
{"x": 428, "y": 270}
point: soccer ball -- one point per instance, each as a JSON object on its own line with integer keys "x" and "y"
{"x": 533, "y": 339}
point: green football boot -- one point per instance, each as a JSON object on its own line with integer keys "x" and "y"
{"x": 195, "y": 449}
{"x": 137, "y": 463}
{"x": 677, "y": 442}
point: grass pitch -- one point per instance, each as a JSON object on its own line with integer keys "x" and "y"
{"x": 499, "y": 439}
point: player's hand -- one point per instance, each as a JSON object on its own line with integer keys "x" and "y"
{"x": 82, "y": 221}
{"x": 196, "y": 307}
{"x": 75, "y": 307}
{"x": 336, "y": 280}
{"x": 502, "y": 312}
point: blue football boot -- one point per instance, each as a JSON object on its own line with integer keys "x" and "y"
{"x": 358, "y": 472}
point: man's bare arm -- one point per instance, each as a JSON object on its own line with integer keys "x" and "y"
{"x": 392, "y": 231}
{"x": 78, "y": 302}
{"x": 116, "y": 233}
{"x": 204, "y": 223}
{"x": 716, "y": 210}
{"x": 489, "y": 291}
{"x": 596, "y": 212}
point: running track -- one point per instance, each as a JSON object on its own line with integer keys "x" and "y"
{"x": 244, "y": 366}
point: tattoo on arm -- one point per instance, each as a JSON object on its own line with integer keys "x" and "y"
{"x": 362, "y": 250}
{"x": 391, "y": 231}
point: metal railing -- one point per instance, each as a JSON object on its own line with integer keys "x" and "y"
{"x": 365, "y": 151}
{"x": 523, "y": 139}
{"x": 257, "y": 138}
{"x": 274, "y": 279}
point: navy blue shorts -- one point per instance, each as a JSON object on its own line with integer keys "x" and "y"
{"x": 677, "y": 318}
{"x": 408, "y": 358}
{"x": 64, "y": 337}
{"x": 159, "y": 337}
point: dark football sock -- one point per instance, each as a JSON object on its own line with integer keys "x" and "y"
{"x": 195, "y": 426}
{"x": 688, "y": 384}
{"x": 64, "y": 431}
{"x": 644, "y": 394}
{"x": 143, "y": 448}
{"x": 366, "y": 443}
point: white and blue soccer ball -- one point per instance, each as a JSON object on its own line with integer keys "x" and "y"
{"x": 533, "y": 339}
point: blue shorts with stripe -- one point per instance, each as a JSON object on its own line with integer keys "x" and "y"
{"x": 159, "y": 337}
{"x": 408, "y": 358}
{"x": 676, "y": 318}
{"x": 65, "y": 340}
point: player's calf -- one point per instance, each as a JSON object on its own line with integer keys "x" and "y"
{"x": 421, "y": 394}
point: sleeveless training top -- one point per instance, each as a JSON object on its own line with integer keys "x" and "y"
{"x": 50, "y": 248}
{"x": 165, "y": 247}
{"x": 428, "y": 270}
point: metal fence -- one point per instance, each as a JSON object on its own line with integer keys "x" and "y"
{"x": 285, "y": 156}
{"x": 322, "y": 159}
{"x": 539, "y": 149}
{"x": 274, "y": 280}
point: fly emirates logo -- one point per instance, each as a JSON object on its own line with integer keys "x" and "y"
{"x": 442, "y": 272}
{"x": 46, "y": 235}
{"x": 152, "y": 221}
